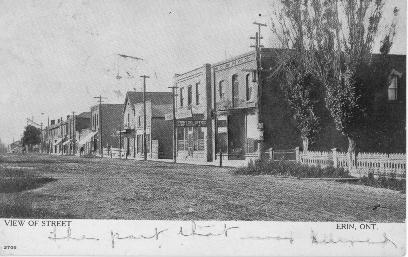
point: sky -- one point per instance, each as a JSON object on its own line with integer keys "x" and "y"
{"x": 56, "y": 56}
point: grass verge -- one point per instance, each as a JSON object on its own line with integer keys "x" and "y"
{"x": 292, "y": 169}
{"x": 12, "y": 181}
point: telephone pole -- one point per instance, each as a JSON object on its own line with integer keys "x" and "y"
{"x": 73, "y": 133}
{"x": 260, "y": 125}
{"x": 100, "y": 123}
{"x": 174, "y": 88}
{"x": 144, "y": 117}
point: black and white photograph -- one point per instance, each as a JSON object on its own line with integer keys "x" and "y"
{"x": 203, "y": 128}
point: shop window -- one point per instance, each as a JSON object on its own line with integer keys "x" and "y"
{"x": 198, "y": 139}
{"x": 148, "y": 143}
{"x": 181, "y": 97}
{"x": 235, "y": 90}
{"x": 393, "y": 89}
{"x": 197, "y": 95}
{"x": 139, "y": 144}
{"x": 248, "y": 87}
{"x": 221, "y": 88}
{"x": 180, "y": 139}
{"x": 189, "y": 95}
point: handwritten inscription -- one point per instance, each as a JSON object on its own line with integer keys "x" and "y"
{"x": 329, "y": 239}
{"x": 196, "y": 230}
{"x": 117, "y": 236}
{"x": 68, "y": 236}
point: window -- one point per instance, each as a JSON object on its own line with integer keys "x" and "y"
{"x": 180, "y": 139}
{"x": 393, "y": 89}
{"x": 235, "y": 90}
{"x": 128, "y": 119}
{"x": 189, "y": 95}
{"x": 221, "y": 88}
{"x": 248, "y": 88}
{"x": 197, "y": 93}
{"x": 139, "y": 121}
{"x": 181, "y": 97}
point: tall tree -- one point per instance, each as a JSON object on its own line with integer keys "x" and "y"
{"x": 291, "y": 26}
{"x": 31, "y": 136}
{"x": 346, "y": 34}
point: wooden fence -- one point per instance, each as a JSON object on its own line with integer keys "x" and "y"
{"x": 362, "y": 163}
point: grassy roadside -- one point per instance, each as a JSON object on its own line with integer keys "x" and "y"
{"x": 293, "y": 169}
{"x": 13, "y": 183}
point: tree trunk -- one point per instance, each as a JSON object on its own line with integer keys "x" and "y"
{"x": 305, "y": 142}
{"x": 351, "y": 152}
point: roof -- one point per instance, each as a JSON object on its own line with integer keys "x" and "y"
{"x": 156, "y": 98}
{"x": 84, "y": 115}
{"x": 161, "y": 110}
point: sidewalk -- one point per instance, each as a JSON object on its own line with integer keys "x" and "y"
{"x": 225, "y": 163}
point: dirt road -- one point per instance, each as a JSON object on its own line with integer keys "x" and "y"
{"x": 128, "y": 189}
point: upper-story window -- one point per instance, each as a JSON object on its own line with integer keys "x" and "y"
{"x": 248, "y": 88}
{"x": 221, "y": 89}
{"x": 393, "y": 89}
{"x": 189, "y": 95}
{"x": 197, "y": 95}
{"x": 139, "y": 121}
{"x": 128, "y": 119}
{"x": 235, "y": 90}
{"x": 181, "y": 97}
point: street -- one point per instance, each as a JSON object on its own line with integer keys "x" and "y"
{"x": 95, "y": 188}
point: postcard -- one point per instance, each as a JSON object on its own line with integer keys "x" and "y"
{"x": 203, "y": 128}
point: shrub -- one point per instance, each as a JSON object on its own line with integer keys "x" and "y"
{"x": 290, "y": 168}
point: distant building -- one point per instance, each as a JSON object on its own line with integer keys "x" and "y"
{"x": 159, "y": 132}
{"x": 106, "y": 120}
{"x": 15, "y": 147}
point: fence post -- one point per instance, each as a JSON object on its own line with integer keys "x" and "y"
{"x": 334, "y": 150}
{"x": 271, "y": 155}
{"x": 220, "y": 159}
{"x": 297, "y": 154}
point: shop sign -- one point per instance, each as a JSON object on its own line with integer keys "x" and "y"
{"x": 191, "y": 123}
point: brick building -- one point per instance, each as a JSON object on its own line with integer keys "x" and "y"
{"x": 74, "y": 124}
{"x": 235, "y": 103}
{"x": 158, "y": 130}
{"x": 232, "y": 115}
{"x": 106, "y": 120}
{"x": 193, "y": 114}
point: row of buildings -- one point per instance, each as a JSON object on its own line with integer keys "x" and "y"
{"x": 229, "y": 107}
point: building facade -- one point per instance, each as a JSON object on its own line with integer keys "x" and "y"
{"x": 106, "y": 120}
{"x": 193, "y": 114}
{"x": 158, "y": 130}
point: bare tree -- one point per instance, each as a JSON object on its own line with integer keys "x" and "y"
{"x": 291, "y": 26}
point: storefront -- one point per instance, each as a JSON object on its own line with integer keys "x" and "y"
{"x": 191, "y": 136}
{"x": 237, "y": 133}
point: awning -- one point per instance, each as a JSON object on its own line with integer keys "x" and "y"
{"x": 87, "y": 138}
{"x": 58, "y": 141}
{"x": 67, "y": 142}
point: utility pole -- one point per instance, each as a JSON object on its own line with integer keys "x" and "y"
{"x": 73, "y": 133}
{"x": 174, "y": 88}
{"x": 100, "y": 123}
{"x": 144, "y": 117}
{"x": 260, "y": 125}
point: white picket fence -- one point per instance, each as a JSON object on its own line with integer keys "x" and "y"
{"x": 362, "y": 164}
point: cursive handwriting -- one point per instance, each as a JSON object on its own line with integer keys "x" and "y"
{"x": 290, "y": 238}
{"x": 197, "y": 230}
{"x": 331, "y": 240}
{"x": 116, "y": 236}
{"x": 68, "y": 236}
